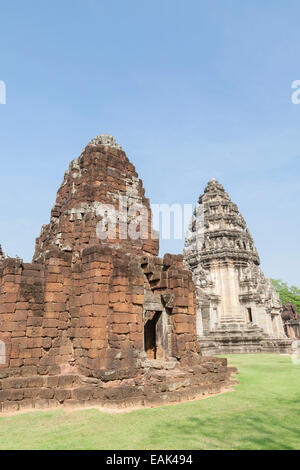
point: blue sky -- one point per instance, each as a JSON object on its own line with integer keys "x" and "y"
{"x": 191, "y": 89}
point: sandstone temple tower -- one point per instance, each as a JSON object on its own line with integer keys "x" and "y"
{"x": 238, "y": 309}
{"x": 100, "y": 320}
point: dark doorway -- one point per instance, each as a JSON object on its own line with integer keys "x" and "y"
{"x": 249, "y": 315}
{"x": 150, "y": 334}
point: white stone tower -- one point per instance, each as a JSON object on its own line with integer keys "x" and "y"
{"x": 238, "y": 309}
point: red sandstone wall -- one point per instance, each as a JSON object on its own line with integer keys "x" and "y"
{"x": 34, "y": 312}
{"x": 88, "y": 316}
{"x": 107, "y": 312}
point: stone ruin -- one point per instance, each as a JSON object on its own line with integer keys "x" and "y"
{"x": 238, "y": 309}
{"x": 96, "y": 320}
{"x": 291, "y": 320}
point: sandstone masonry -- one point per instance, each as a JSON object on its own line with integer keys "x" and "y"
{"x": 94, "y": 321}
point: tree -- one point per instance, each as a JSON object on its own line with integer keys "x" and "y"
{"x": 287, "y": 294}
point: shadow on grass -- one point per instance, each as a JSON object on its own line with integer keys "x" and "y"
{"x": 234, "y": 432}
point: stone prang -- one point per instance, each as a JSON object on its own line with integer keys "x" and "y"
{"x": 100, "y": 183}
{"x": 100, "y": 320}
{"x": 238, "y": 309}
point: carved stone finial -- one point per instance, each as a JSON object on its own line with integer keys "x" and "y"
{"x": 105, "y": 139}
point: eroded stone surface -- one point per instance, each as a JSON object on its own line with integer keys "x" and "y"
{"x": 291, "y": 320}
{"x": 100, "y": 183}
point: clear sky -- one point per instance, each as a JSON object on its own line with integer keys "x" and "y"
{"x": 191, "y": 89}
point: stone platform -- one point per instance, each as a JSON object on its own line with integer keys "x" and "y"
{"x": 154, "y": 384}
{"x": 230, "y": 338}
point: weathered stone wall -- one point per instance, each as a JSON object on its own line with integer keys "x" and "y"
{"x": 75, "y": 336}
{"x": 34, "y": 310}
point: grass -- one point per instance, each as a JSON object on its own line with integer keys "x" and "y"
{"x": 262, "y": 413}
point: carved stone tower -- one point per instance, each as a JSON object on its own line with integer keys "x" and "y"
{"x": 238, "y": 310}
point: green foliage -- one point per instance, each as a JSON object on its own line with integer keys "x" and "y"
{"x": 287, "y": 294}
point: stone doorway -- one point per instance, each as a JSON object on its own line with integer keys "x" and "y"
{"x": 249, "y": 313}
{"x": 154, "y": 343}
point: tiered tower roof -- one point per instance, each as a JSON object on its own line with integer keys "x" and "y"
{"x": 218, "y": 230}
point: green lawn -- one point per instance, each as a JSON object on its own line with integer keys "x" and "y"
{"x": 262, "y": 413}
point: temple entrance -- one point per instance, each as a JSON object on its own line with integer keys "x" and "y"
{"x": 249, "y": 312}
{"x": 154, "y": 342}
{"x": 150, "y": 334}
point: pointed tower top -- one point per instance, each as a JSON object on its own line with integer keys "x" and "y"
{"x": 105, "y": 139}
{"x": 213, "y": 191}
{"x": 214, "y": 185}
{"x": 220, "y": 228}
{"x": 90, "y": 193}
